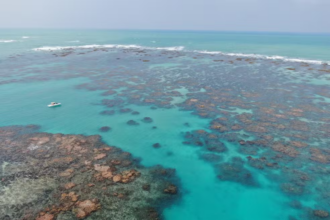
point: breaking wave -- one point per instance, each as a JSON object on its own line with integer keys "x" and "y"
{"x": 7, "y": 41}
{"x": 95, "y": 46}
{"x": 181, "y": 48}
{"x": 259, "y": 56}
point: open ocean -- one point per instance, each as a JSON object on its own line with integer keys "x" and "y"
{"x": 243, "y": 118}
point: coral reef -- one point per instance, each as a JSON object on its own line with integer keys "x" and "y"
{"x": 147, "y": 119}
{"x": 108, "y": 112}
{"x": 55, "y": 176}
{"x": 132, "y": 122}
{"x": 321, "y": 213}
{"x": 105, "y": 129}
{"x": 156, "y": 145}
{"x": 125, "y": 110}
{"x": 272, "y": 114}
{"x": 236, "y": 172}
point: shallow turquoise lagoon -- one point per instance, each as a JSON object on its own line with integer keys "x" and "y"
{"x": 205, "y": 197}
{"x": 247, "y": 135}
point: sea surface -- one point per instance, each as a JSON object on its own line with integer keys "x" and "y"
{"x": 243, "y": 118}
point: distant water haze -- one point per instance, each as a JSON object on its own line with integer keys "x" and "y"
{"x": 230, "y": 15}
{"x": 289, "y": 46}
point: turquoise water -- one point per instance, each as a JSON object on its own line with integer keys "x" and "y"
{"x": 205, "y": 198}
{"x": 303, "y": 46}
{"x": 231, "y": 89}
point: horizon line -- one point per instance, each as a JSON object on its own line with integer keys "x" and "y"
{"x": 179, "y": 30}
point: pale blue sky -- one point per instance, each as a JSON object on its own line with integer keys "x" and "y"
{"x": 227, "y": 15}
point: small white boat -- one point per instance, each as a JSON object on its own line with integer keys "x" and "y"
{"x": 54, "y": 104}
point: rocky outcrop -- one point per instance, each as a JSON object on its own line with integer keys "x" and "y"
{"x": 236, "y": 172}
{"x": 156, "y": 145}
{"x": 77, "y": 176}
{"x": 171, "y": 189}
{"x": 321, "y": 213}
{"x": 85, "y": 208}
{"x": 287, "y": 150}
{"x": 132, "y": 122}
{"x": 46, "y": 216}
{"x": 147, "y": 119}
{"x": 105, "y": 129}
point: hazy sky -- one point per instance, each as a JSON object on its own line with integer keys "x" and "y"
{"x": 237, "y": 15}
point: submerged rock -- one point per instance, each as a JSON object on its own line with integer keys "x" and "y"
{"x": 132, "y": 122}
{"x": 69, "y": 185}
{"x": 287, "y": 150}
{"x": 319, "y": 156}
{"x": 46, "y": 216}
{"x": 216, "y": 146}
{"x": 105, "y": 129}
{"x": 146, "y": 187}
{"x": 100, "y": 156}
{"x": 86, "y": 207}
{"x": 236, "y": 172}
{"x": 171, "y": 189}
{"x": 156, "y": 145}
{"x": 147, "y": 119}
{"x": 211, "y": 157}
{"x": 321, "y": 213}
{"x": 125, "y": 110}
{"x": 107, "y": 112}
{"x": 117, "y": 178}
{"x": 108, "y": 93}
{"x": 291, "y": 188}
{"x": 66, "y": 172}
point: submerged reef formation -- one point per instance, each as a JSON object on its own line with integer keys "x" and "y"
{"x": 132, "y": 122}
{"x": 147, "y": 119}
{"x": 267, "y": 117}
{"x": 156, "y": 145}
{"x": 54, "y": 176}
{"x": 105, "y": 129}
{"x": 235, "y": 171}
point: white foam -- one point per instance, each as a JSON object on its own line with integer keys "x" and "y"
{"x": 259, "y": 56}
{"x": 92, "y": 46}
{"x": 7, "y": 41}
{"x": 96, "y": 46}
{"x": 180, "y": 48}
{"x": 25, "y": 37}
